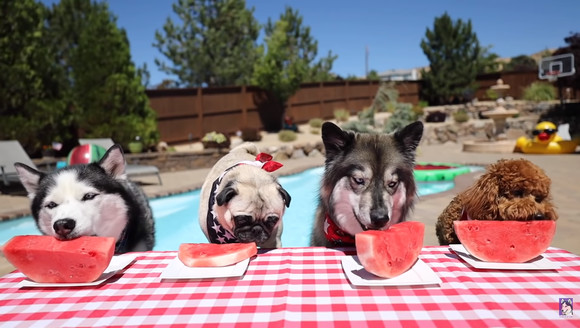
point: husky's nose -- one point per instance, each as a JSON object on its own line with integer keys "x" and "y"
{"x": 63, "y": 227}
{"x": 379, "y": 217}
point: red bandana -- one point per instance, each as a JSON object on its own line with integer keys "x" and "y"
{"x": 335, "y": 235}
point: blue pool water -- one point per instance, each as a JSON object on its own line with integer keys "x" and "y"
{"x": 176, "y": 217}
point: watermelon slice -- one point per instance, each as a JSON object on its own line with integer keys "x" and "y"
{"x": 215, "y": 255}
{"x": 505, "y": 241}
{"x": 46, "y": 259}
{"x": 390, "y": 252}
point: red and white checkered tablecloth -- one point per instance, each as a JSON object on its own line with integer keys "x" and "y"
{"x": 302, "y": 287}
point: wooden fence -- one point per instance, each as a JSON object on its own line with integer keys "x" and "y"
{"x": 188, "y": 114}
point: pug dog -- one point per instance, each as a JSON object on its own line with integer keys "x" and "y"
{"x": 241, "y": 201}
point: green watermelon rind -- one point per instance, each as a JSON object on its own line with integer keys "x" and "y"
{"x": 505, "y": 241}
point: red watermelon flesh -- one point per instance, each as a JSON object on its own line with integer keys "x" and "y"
{"x": 390, "y": 252}
{"x": 215, "y": 255}
{"x": 46, "y": 259}
{"x": 505, "y": 241}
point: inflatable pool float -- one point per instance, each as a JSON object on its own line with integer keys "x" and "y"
{"x": 546, "y": 141}
{"x": 438, "y": 171}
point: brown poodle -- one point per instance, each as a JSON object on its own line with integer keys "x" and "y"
{"x": 509, "y": 190}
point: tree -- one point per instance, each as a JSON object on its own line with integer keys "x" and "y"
{"x": 288, "y": 61}
{"x": 373, "y": 75}
{"x": 106, "y": 96}
{"x": 521, "y": 63}
{"x": 303, "y": 46}
{"x": 453, "y": 51}
{"x": 215, "y": 45}
{"x": 31, "y": 103}
{"x": 488, "y": 61}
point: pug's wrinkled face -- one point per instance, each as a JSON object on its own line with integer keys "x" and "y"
{"x": 251, "y": 206}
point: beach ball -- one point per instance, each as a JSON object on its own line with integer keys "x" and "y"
{"x": 85, "y": 154}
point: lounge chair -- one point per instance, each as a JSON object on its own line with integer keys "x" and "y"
{"x": 11, "y": 152}
{"x": 132, "y": 170}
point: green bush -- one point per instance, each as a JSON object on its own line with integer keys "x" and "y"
{"x": 491, "y": 94}
{"x": 402, "y": 117}
{"x": 341, "y": 115}
{"x": 315, "y": 122}
{"x": 540, "y": 91}
{"x": 367, "y": 116}
{"x": 215, "y": 137}
{"x": 356, "y": 126}
{"x": 287, "y": 135}
{"x": 461, "y": 116}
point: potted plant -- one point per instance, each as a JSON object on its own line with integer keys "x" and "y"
{"x": 136, "y": 146}
{"x": 215, "y": 140}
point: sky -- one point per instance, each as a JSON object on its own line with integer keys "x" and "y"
{"x": 392, "y": 30}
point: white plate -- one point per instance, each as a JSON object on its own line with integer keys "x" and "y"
{"x": 177, "y": 270}
{"x": 117, "y": 264}
{"x": 419, "y": 274}
{"x": 539, "y": 263}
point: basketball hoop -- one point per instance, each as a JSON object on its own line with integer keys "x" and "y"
{"x": 551, "y": 75}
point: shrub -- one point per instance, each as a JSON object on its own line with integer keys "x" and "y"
{"x": 540, "y": 91}
{"x": 341, "y": 115}
{"x": 402, "y": 117}
{"x": 491, "y": 94}
{"x": 356, "y": 126}
{"x": 251, "y": 134}
{"x": 367, "y": 116}
{"x": 315, "y": 122}
{"x": 287, "y": 135}
{"x": 386, "y": 95}
{"x": 461, "y": 116}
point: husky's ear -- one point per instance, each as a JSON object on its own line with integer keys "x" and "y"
{"x": 410, "y": 136}
{"x": 29, "y": 178}
{"x": 226, "y": 194}
{"x": 335, "y": 139}
{"x": 285, "y": 195}
{"x": 113, "y": 162}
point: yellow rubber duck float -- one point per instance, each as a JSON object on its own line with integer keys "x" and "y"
{"x": 546, "y": 141}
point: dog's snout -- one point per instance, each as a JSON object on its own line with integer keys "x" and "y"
{"x": 63, "y": 227}
{"x": 539, "y": 216}
{"x": 379, "y": 217}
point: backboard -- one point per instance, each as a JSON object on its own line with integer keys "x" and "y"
{"x": 551, "y": 68}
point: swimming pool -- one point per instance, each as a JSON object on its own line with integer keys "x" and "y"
{"x": 176, "y": 216}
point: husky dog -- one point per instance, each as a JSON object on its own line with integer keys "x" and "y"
{"x": 93, "y": 199}
{"x": 241, "y": 201}
{"x": 368, "y": 182}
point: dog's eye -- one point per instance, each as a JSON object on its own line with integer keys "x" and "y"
{"x": 539, "y": 199}
{"x": 51, "y": 205}
{"x": 392, "y": 184}
{"x": 518, "y": 193}
{"x": 358, "y": 181}
{"x": 89, "y": 196}
{"x": 271, "y": 221}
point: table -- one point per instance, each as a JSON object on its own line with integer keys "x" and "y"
{"x": 302, "y": 287}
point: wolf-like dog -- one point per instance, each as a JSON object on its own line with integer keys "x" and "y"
{"x": 241, "y": 201}
{"x": 93, "y": 199}
{"x": 367, "y": 184}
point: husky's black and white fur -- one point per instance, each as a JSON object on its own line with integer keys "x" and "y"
{"x": 93, "y": 199}
{"x": 368, "y": 182}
